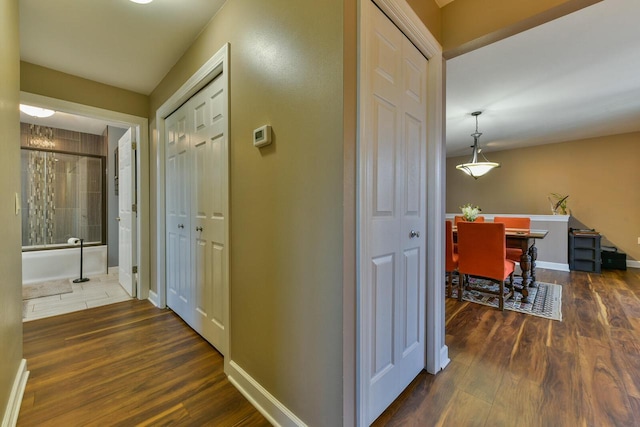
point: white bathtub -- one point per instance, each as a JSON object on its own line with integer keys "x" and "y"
{"x": 39, "y": 266}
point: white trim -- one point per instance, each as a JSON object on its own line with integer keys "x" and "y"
{"x": 403, "y": 16}
{"x": 112, "y": 270}
{"x": 559, "y": 266}
{"x": 273, "y": 410}
{"x": 12, "y": 410}
{"x": 633, "y": 264}
{"x": 444, "y": 357}
{"x": 216, "y": 65}
{"x": 153, "y": 298}
{"x": 542, "y": 218}
{"x": 141, "y": 126}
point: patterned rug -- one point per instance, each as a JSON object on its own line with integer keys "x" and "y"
{"x": 546, "y": 297}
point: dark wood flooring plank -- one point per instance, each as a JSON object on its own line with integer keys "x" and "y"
{"x": 605, "y": 398}
{"x": 630, "y": 302}
{"x": 626, "y": 352}
{"x": 562, "y": 390}
{"x": 126, "y": 364}
{"x": 529, "y": 356}
{"x": 583, "y": 371}
{"x": 427, "y": 401}
{"x": 516, "y": 395}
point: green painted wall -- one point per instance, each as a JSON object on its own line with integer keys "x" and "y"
{"x": 55, "y": 84}
{"x": 10, "y": 235}
{"x": 286, "y": 61}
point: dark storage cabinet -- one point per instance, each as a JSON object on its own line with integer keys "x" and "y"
{"x": 584, "y": 250}
{"x": 613, "y": 259}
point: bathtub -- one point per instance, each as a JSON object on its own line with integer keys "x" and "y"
{"x": 39, "y": 266}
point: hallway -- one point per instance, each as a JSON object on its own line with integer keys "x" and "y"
{"x": 126, "y": 364}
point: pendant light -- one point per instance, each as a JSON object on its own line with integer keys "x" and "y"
{"x": 475, "y": 168}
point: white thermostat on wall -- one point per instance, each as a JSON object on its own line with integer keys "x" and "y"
{"x": 262, "y": 136}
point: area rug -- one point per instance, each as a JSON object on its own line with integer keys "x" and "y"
{"x": 546, "y": 297}
{"x": 45, "y": 289}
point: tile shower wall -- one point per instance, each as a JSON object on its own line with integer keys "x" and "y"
{"x": 62, "y": 193}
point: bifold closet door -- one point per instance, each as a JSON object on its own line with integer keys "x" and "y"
{"x": 208, "y": 213}
{"x": 197, "y": 186}
{"x": 178, "y": 236}
{"x": 394, "y": 149}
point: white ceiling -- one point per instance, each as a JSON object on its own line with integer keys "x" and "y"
{"x": 573, "y": 78}
{"x": 116, "y": 42}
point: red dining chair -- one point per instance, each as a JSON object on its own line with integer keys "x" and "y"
{"x": 460, "y": 218}
{"x": 451, "y": 259}
{"x": 482, "y": 253}
{"x": 514, "y": 222}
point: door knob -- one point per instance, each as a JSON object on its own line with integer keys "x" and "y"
{"x": 118, "y": 219}
{"x": 180, "y": 225}
{"x": 413, "y": 234}
{"x": 199, "y": 229}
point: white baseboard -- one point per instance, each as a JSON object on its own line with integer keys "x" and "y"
{"x": 633, "y": 264}
{"x": 113, "y": 270}
{"x": 153, "y": 298}
{"x": 444, "y": 357}
{"x": 15, "y": 399}
{"x": 274, "y": 411}
{"x": 552, "y": 265}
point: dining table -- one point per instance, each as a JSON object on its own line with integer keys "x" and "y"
{"x": 524, "y": 239}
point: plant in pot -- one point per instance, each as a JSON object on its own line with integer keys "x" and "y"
{"x": 470, "y": 212}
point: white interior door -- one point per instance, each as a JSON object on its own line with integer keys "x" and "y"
{"x": 393, "y": 152}
{"x": 208, "y": 213}
{"x": 178, "y": 264}
{"x": 126, "y": 213}
{"x": 197, "y": 205}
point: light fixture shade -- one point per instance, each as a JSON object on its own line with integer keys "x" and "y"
{"x": 142, "y": 1}
{"x": 36, "y": 111}
{"x": 477, "y": 169}
{"x": 474, "y": 167}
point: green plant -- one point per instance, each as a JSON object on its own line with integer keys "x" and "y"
{"x": 470, "y": 212}
{"x": 558, "y": 203}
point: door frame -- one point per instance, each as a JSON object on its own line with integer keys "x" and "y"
{"x": 403, "y": 17}
{"x": 140, "y": 126}
{"x": 215, "y": 66}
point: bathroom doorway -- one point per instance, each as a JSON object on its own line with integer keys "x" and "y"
{"x": 92, "y": 217}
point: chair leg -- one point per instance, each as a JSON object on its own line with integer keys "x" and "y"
{"x": 462, "y": 280}
{"x": 501, "y": 296}
{"x": 448, "y": 283}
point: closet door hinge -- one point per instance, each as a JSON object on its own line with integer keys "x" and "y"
{"x": 134, "y": 208}
{"x": 134, "y": 269}
{"x": 134, "y": 146}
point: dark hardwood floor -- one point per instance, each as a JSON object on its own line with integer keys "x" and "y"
{"x": 133, "y": 364}
{"x": 511, "y": 369}
{"x": 126, "y": 364}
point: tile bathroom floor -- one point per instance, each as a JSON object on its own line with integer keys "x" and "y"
{"x": 99, "y": 290}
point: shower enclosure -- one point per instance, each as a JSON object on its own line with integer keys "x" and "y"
{"x": 61, "y": 198}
